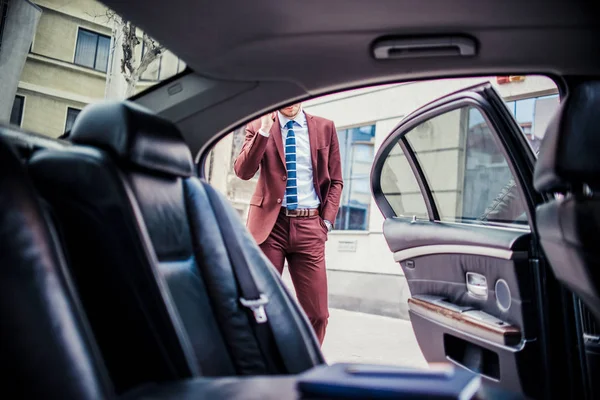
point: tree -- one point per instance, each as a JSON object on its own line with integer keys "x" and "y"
{"x": 124, "y": 70}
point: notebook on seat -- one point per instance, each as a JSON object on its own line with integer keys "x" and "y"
{"x": 365, "y": 381}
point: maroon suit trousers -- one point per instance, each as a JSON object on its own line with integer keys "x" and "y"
{"x": 302, "y": 241}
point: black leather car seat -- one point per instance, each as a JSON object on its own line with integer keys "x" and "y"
{"x": 569, "y": 166}
{"x": 45, "y": 350}
{"x": 132, "y": 211}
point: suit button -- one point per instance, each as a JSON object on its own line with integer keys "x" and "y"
{"x": 278, "y": 201}
{"x": 283, "y": 178}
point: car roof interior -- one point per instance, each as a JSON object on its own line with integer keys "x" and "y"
{"x": 269, "y": 53}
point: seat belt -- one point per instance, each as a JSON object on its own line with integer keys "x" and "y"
{"x": 251, "y": 297}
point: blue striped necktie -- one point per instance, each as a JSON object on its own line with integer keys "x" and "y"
{"x": 291, "y": 189}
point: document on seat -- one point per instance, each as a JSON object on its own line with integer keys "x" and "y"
{"x": 365, "y": 381}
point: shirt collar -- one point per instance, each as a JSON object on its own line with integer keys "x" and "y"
{"x": 300, "y": 119}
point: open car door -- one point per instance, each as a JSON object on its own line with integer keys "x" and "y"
{"x": 453, "y": 181}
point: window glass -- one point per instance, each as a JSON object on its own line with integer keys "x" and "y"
{"x": 466, "y": 171}
{"x": 88, "y": 47}
{"x": 102, "y": 53}
{"x": 400, "y": 187}
{"x": 356, "y": 153}
{"x": 72, "y": 114}
{"x": 533, "y": 115}
{"x": 16, "y": 115}
{"x": 85, "y": 52}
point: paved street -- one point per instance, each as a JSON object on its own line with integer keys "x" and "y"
{"x": 366, "y": 338}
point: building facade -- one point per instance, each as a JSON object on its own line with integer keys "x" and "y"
{"x": 68, "y": 62}
{"x": 361, "y": 270}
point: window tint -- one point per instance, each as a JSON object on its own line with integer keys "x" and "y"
{"x": 92, "y": 50}
{"x": 72, "y": 114}
{"x": 466, "y": 171}
{"x": 399, "y": 186}
{"x": 356, "y": 153}
{"x": 16, "y": 115}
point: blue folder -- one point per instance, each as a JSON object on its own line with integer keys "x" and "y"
{"x": 365, "y": 381}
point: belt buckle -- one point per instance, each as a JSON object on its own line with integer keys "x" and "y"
{"x": 300, "y": 212}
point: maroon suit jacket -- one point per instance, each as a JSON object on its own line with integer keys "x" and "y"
{"x": 268, "y": 154}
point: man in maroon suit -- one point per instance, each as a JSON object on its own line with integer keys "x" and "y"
{"x": 296, "y": 199}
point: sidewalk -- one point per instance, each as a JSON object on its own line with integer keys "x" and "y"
{"x": 365, "y": 338}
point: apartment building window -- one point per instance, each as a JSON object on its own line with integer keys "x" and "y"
{"x": 16, "y": 114}
{"x": 92, "y": 50}
{"x": 72, "y": 114}
{"x": 533, "y": 115}
{"x": 357, "y": 152}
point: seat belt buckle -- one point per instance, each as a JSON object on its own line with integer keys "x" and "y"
{"x": 257, "y": 307}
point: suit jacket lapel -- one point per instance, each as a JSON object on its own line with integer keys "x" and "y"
{"x": 275, "y": 132}
{"x": 313, "y": 140}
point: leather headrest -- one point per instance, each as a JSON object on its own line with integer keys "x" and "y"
{"x": 135, "y": 135}
{"x": 568, "y": 156}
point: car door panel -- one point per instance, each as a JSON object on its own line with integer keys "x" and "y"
{"x": 466, "y": 319}
{"x": 501, "y": 365}
{"x": 471, "y": 277}
{"x": 473, "y": 331}
{"x": 436, "y": 258}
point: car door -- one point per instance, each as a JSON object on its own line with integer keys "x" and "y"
{"x": 453, "y": 182}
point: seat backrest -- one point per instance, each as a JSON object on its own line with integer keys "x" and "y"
{"x": 144, "y": 158}
{"x": 45, "y": 347}
{"x": 568, "y": 167}
{"x": 113, "y": 266}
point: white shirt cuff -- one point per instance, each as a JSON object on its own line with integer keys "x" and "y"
{"x": 265, "y": 134}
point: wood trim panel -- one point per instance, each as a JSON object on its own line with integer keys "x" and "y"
{"x": 494, "y": 330}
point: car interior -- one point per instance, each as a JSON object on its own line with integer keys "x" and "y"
{"x": 125, "y": 274}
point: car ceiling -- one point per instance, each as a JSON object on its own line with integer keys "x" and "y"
{"x": 248, "y": 57}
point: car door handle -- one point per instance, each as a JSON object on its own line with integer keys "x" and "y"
{"x": 476, "y": 285}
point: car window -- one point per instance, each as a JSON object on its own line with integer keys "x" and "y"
{"x": 468, "y": 175}
{"x": 400, "y": 187}
{"x": 58, "y": 56}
